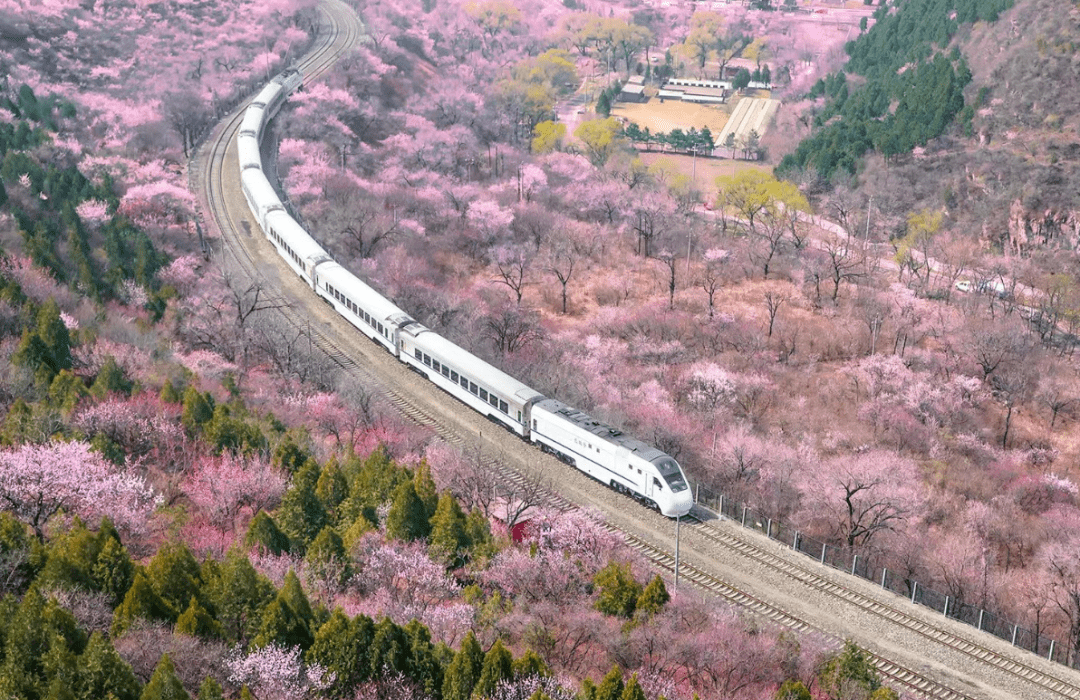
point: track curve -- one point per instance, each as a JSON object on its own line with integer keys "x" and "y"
{"x": 934, "y": 661}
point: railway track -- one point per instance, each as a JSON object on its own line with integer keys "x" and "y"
{"x": 357, "y": 356}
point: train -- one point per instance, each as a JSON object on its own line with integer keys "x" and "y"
{"x": 622, "y": 462}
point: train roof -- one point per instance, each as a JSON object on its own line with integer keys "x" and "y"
{"x": 601, "y": 430}
{"x": 252, "y": 120}
{"x": 267, "y": 93}
{"x": 294, "y": 234}
{"x": 259, "y": 188}
{"x": 247, "y": 150}
{"x": 472, "y": 365}
{"x": 374, "y": 303}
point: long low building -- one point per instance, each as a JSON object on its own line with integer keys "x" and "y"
{"x": 691, "y": 90}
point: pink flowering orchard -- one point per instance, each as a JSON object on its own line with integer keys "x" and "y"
{"x": 39, "y": 481}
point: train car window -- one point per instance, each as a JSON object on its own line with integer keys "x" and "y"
{"x": 493, "y": 400}
{"x": 445, "y": 371}
{"x": 427, "y": 359}
{"x": 657, "y": 484}
{"x": 465, "y": 383}
{"x": 381, "y": 329}
{"x": 419, "y": 355}
{"x": 453, "y": 376}
{"x": 473, "y": 388}
{"x": 435, "y": 365}
{"x": 504, "y": 407}
{"x": 639, "y": 471}
{"x": 483, "y": 394}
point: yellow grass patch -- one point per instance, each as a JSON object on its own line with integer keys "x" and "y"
{"x": 673, "y": 114}
{"x": 708, "y": 169}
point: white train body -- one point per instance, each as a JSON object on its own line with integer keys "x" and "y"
{"x": 484, "y": 388}
{"x": 626, "y": 464}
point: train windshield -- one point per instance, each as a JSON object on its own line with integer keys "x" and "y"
{"x": 669, "y": 469}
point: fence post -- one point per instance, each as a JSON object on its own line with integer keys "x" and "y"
{"x": 744, "y": 516}
{"x": 1051, "y": 654}
{"x": 1015, "y": 627}
{"x": 697, "y": 492}
{"x": 981, "y": 611}
{"x": 946, "y": 612}
{"x": 854, "y": 563}
{"x": 884, "y": 573}
{"x": 721, "y": 505}
{"x": 823, "y": 546}
{"x": 768, "y": 524}
{"x": 914, "y": 588}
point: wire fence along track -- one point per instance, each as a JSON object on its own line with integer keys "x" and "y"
{"x": 863, "y": 566}
{"x": 893, "y": 614}
{"x": 342, "y": 29}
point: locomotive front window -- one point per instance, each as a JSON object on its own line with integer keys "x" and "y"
{"x": 669, "y": 469}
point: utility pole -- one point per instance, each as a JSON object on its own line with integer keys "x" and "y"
{"x": 866, "y": 236}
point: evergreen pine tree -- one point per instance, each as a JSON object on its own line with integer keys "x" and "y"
{"x": 281, "y": 625}
{"x": 104, "y": 673}
{"x": 210, "y": 690}
{"x": 66, "y": 389}
{"x": 426, "y": 490}
{"x": 301, "y": 515}
{"x": 389, "y": 649}
{"x": 169, "y": 394}
{"x": 110, "y": 380}
{"x": 196, "y": 622}
{"x": 611, "y": 688}
{"x": 289, "y": 455}
{"x": 46, "y": 348}
{"x": 407, "y": 519}
{"x": 341, "y": 646}
{"x": 633, "y": 691}
{"x": 198, "y": 409}
{"x": 164, "y": 684}
{"x": 175, "y": 575}
{"x": 478, "y": 532}
{"x": 287, "y": 620}
{"x": 619, "y": 591}
{"x": 848, "y": 671}
{"x": 60, "y": 689}
{"x": 140, "y": 601}
{"x": 449, "y": 537}
{"x": 332, "y": 490}
{"x": 113, "y": 570}
{"x": 70, "y": 559}
{"x": 464, "y": 670}
{"x": 326, "y": 558}
{"x": 653, "y": 598}
{"x": 239, "y": 594}
{"x": 293, "y": 594}
{"x": 530, "y": 664}
{"x": 498, "y": 666}
{"x": 793, "y": 690}
{"x": 423, "y": 666}
{"x": 263, "y": 533}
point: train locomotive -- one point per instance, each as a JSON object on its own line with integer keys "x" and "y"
{"x": 620, "y": 461}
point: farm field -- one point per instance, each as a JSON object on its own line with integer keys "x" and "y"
{"x": 673, "y": 114}
{"x": 707, "y": 169}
